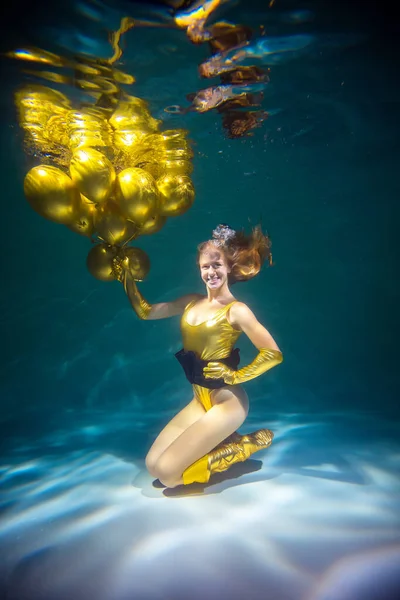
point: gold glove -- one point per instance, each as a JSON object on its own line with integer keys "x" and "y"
{"x": 139, "y": 304}
{"x": 265, "y": 360}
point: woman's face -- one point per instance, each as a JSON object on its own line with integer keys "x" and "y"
{"x": 214, "y": 268}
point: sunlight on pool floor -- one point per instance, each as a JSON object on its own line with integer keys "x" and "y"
{"x": 318, "y": 519}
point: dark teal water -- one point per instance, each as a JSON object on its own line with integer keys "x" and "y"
{"x": 85, "y": 386}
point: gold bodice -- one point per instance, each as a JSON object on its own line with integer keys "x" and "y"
{"x": 211, "y": 339}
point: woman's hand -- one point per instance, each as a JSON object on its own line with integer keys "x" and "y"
{"x": 217, "y": 370}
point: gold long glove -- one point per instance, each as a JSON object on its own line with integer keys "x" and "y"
{"x": 265, "y": 360}
{"x": 139, "y": 304}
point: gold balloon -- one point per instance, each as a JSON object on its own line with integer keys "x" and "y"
{"x": 52, "y": 194}
{"x": 136, "y": 261}
{"x": 99, "y": 262}
{"x": 153, "y": 225}
{"x": 137, "y": 195}
{"x": 176, "y": 194}
{"x": 111, "y": 225}
{"x": 85, "y": 218}
{"x": 93, "y": 174}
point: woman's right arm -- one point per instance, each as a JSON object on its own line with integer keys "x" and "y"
{"x": 162, "y": 310}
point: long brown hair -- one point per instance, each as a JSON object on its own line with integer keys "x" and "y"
{"x": 245, "y": 254}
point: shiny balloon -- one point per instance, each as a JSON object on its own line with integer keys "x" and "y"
{"x": 136, "y": 261}
{"x": 153, "y": 224}
{"x": 176, "y": 194}
{"x": 52, "y": 194}
{"x": 111, "y": 225}
{"x": 137, "y": 195}
{"x": 85, "y": 218}
{"x": 93, "y": 174}
{"x": 99, "y": 262}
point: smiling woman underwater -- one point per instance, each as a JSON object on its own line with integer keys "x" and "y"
{"x": 201, "y": 439}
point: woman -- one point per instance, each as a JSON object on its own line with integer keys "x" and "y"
{"x": 201, "y": 439}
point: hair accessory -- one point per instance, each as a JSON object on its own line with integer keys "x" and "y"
{"x": 223, "y": 234}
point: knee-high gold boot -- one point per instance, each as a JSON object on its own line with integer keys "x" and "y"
{"x": 235, "y": 449}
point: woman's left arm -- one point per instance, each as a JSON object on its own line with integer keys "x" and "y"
{"x": 269, "y": 355}
{"x": 241, "y": 317}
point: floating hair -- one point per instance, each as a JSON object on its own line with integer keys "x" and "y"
{"x": 246, "y": 254}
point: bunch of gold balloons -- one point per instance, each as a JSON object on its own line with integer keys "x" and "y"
{"x": 113, "y": 175}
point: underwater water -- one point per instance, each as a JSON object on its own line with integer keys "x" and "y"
{"x": 85, "y": 386}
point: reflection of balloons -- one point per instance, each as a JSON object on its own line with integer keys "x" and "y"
{"x": 55, "y": 130}
{"x": 83, "y": 223}
{"x": 87, "y": 128}
{"x": 172, "y": 138}
{"x": 136, "y": 261}
{"x": 177, "y": 154}
{"x": 128, "y": 139}
{"x": 41, "y": 101}
{"x": 112, "y": 226}
{"x": 176, "y": 194}
{"x": 52, "y": 194}
{"x": 93, "y": 174}
{"x": 131, "y": 113}
{"x": 153, "y": 224}
{"x": 178, "y": 166}
{"x": 137, "y": 194}
{"x": 100, "y": 262}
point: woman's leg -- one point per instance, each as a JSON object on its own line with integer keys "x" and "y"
{"x": 184, "y": 419}
{"x": 229, "y": 410}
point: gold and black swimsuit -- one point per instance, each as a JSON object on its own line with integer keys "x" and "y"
{"x": 211, "y": 340}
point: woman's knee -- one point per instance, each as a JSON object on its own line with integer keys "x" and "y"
{"x": 151, "y": 463}
{"x": 167, "y": 472}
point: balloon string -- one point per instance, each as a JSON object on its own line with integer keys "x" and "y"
{"x": 133, "y": 237}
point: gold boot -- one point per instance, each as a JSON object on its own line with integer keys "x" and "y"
{"x": 237, "y": 449}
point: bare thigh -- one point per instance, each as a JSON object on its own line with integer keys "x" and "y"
{"x": 229, "y": 410}
{"x": 184, "y": 419}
